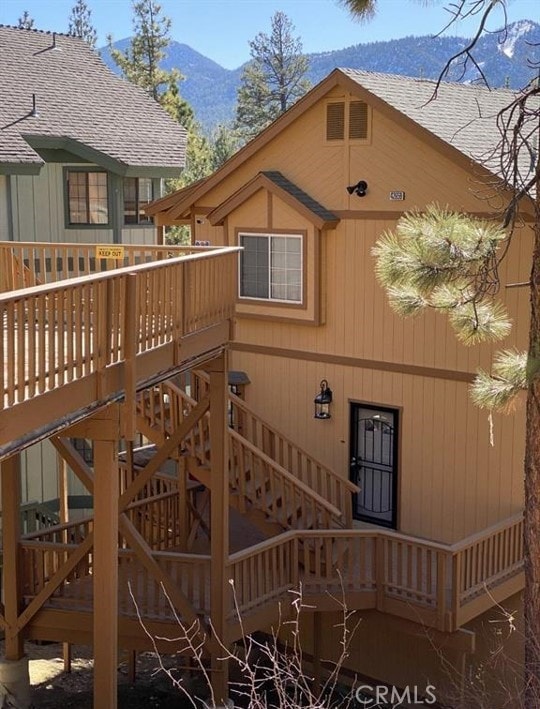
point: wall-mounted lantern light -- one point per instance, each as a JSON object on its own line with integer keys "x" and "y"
{"x": 322, "y": 401}
{"x": 359, "y": 189}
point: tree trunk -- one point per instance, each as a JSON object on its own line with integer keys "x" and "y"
{"x": 532, "y": 497}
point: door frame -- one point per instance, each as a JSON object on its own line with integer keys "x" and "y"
{"x": 397, "y": 411}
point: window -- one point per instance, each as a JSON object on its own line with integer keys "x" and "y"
{"x": 85, "y": 449}
{"x": 356, "y": 125}
{"x": 138, "y": 192}
{"x": 271, "y": 267}
{"x": 88, "y": 200}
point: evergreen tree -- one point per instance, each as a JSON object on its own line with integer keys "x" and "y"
{"x": 224, "y": 144}
{"x": 140, "y": 63}
{"x": 274, "y": 79}
{"x": 25, "y": 22}
{"x": 80, "y": 24}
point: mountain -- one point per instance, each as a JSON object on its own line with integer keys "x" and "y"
{"x": 504, "y": 57}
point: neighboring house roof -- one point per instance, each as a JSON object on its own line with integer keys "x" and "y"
{"x": 461, "y": 121}
{"x": 81, "y": 107}
{"x": 276, "y": 183}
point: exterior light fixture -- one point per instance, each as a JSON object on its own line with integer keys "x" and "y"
{"x": 359, "y": 189}
{"x": 322, "y": 401}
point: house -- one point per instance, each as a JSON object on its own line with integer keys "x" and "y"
{"x": 82, "y": 151}
{"x": 307, "y": 200}
{"x": 111, "y": 344}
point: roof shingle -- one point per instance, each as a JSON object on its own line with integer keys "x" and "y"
{"x": 79, "y": 99}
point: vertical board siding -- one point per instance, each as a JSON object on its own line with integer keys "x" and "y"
{"x": 452, "y": 481}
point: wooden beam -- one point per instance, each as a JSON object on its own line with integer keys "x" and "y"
{"x": 163, "y": 453}
{"x": 183, "y": 503}
{"x": 104, "y": 425}
{"x": 219, "y": 521}
{"x": 75, "y": 461}
{"x": 105, "y": 572}
{"x": 11, "y": 573}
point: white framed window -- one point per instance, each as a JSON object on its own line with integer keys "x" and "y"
{"x": 271, "y": 267}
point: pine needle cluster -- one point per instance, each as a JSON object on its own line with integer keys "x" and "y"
{"x": 448, "y": 261}
{"x": 445, "y": 260}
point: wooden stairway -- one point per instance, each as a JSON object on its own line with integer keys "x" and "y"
{"x": 261, "y": 487}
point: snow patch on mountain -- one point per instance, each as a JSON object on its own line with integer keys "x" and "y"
{"x": 512, "y": 35}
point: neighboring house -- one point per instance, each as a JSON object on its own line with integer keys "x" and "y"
{"x": 82, "y": 152}
{"x": 307, "y": 200}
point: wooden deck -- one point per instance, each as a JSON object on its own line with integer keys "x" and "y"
{"x": 70, "y": 346}
{"x": 439, "y": 586}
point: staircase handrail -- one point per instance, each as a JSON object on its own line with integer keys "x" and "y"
{"x": 295, "y": 482}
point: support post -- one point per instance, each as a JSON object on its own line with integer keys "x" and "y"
{"x": 14, "y": 675}
{"x": 317, "y": 651}
{"x": 184, "y": 512}
{"x": 219, "y": 522}
{"x": 105, "y": 574}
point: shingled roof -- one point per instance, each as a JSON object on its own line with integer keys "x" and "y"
{"x": 462, "y": 115}
{"x": 462, "y": 121}
{"x": 81, "y": 106}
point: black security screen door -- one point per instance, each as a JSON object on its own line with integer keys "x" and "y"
{"x": 373, "y": 463}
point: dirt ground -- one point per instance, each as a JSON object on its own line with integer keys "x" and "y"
{"x": 52, "y": 688}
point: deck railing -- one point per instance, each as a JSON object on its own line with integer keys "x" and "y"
{"x": 327, "y": 483}
{"x": 158, "y": 520}
{"x": 421, "y": 581}
{"x": 57, "y": 333}
{"x": 484, "y": 561}
{"x": 27, "y": 264}
{"x": 415, "y": 579}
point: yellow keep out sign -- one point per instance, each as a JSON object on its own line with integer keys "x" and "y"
{"x": 107, "y": 251}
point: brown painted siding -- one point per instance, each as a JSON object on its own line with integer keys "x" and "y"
{"x": 453, "y": 482}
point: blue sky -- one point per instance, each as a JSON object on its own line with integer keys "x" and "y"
{"x": 221, "y": 29}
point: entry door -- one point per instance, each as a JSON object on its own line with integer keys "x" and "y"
{"x": 374, "y": 463}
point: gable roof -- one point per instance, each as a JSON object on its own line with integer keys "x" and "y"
{"x": 81, "y": 106}
{"x": 279, "y": 185}
{"x": 461, "y": 122}
{"x": 462, "y": 115}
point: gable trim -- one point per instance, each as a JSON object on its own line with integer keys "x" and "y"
{"x": 189, "y": 198}
{"x": 263, "y": 181}
{"x": 336, "y": 78}
{"x": 97, "y": 157}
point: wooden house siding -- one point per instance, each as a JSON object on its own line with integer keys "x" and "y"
{"x": 452, "y": 481}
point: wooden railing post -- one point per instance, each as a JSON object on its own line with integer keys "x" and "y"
{"x": 219, "y": 523}
{"x": 14, "y": 675}
{"x": 456, "y": 588}
{"x": 380, "y": 572}
{"x": 130, "y": 353}
{"x": 441, "y": 590}
{"x": 105, "y": 571}
{"x": 11, "y": 572}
